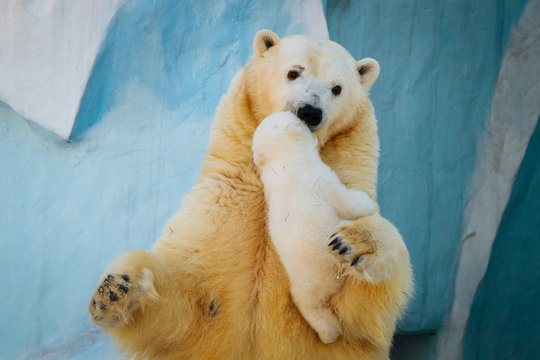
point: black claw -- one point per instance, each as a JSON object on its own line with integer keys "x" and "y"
{"x": 331, "y": 236}
{"x": 110, "y": 277}
{"x": 356, "y": 260}
{"x": 338, "y": 245}
{"x": 345, "y": 250}
{"x": 125, "y": 277}
{"x": 94, "y": 302}
{"x": 106, "y": 282}
{"x": 123, "y": 288}
{"x": 102, "y": 306}
{"x": 113, "y": 296}
{"x": 100, "y": 290}
{"x": 335, "y": 240}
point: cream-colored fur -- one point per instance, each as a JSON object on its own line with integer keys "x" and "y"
{"x": 221, "y": 291}
{"x": 305, "y": 203}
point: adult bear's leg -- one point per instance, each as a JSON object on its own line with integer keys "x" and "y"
{"x": 379, "y": 281}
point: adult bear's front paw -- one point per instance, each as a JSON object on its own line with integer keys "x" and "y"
{"x": 123, "y": 290}
{"x": 357, "y": 252}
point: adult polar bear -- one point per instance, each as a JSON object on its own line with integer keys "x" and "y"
{"x": 213, "y": 287}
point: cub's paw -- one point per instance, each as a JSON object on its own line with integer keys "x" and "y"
{"x": 356, "y": 252}
{"x": 118, "y": 296}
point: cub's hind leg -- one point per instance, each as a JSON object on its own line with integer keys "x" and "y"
{"x": 313, "y": 305}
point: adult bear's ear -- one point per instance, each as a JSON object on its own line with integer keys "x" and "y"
{"x": 263, "y": 41}
{"x": 368, "y": 69}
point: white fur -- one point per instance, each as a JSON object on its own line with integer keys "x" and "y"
{"x": 306, "y": 202}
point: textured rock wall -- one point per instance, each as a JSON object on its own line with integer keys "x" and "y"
{"x": 439, "y": 65}
{"x": 70, "y": 207}
{"x": 505, "y": 316}
{"x": 514, "y": 113}
{"x": 47, "y": 50}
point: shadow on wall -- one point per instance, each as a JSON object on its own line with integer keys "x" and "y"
{"x": 422, "y": 346}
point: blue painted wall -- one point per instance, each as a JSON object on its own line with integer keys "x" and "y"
{"x": 506, "y": 307}
{"x": 69, "y": 208}
{"x": 439, "y": 66}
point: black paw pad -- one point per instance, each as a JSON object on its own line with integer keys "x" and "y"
{"x": 113, "y": 296}
{"x": 123, "y": 288}
{"x": 125, "y": 277}
{"x": 213, "y": 308}
{"x": 100, "y": 290}
{"x": 102, "y": 306}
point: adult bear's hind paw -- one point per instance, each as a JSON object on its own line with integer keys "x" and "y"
{"x": 119, "y": 295}
{"x": 111, "y": 303}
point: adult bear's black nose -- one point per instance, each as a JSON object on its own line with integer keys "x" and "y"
{"x": 312, "y": 116}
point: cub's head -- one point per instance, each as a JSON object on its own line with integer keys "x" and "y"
{"x": 319, "y": 81}
{"x": 280, "y": 136}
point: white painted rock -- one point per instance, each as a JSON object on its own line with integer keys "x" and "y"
{"x": 47, "y": 50}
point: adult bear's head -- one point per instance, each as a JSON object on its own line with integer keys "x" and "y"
{"x": 319, "y": 81}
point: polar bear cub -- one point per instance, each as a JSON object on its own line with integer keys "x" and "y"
{"x": 306, "y": 203}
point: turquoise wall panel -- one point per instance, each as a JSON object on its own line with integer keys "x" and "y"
{"x": 439, "y": 65}
{"x": 505, "y": 316}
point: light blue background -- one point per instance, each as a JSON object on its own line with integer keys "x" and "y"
{"x": 69, "y": 208}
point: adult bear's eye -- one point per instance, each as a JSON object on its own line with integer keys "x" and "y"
{"x": 336, "y": 90}
{"x": 293, "y": 75}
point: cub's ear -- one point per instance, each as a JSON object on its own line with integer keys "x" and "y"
{"x": 263, "y": 41}
{"x": 368, "y": 69}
